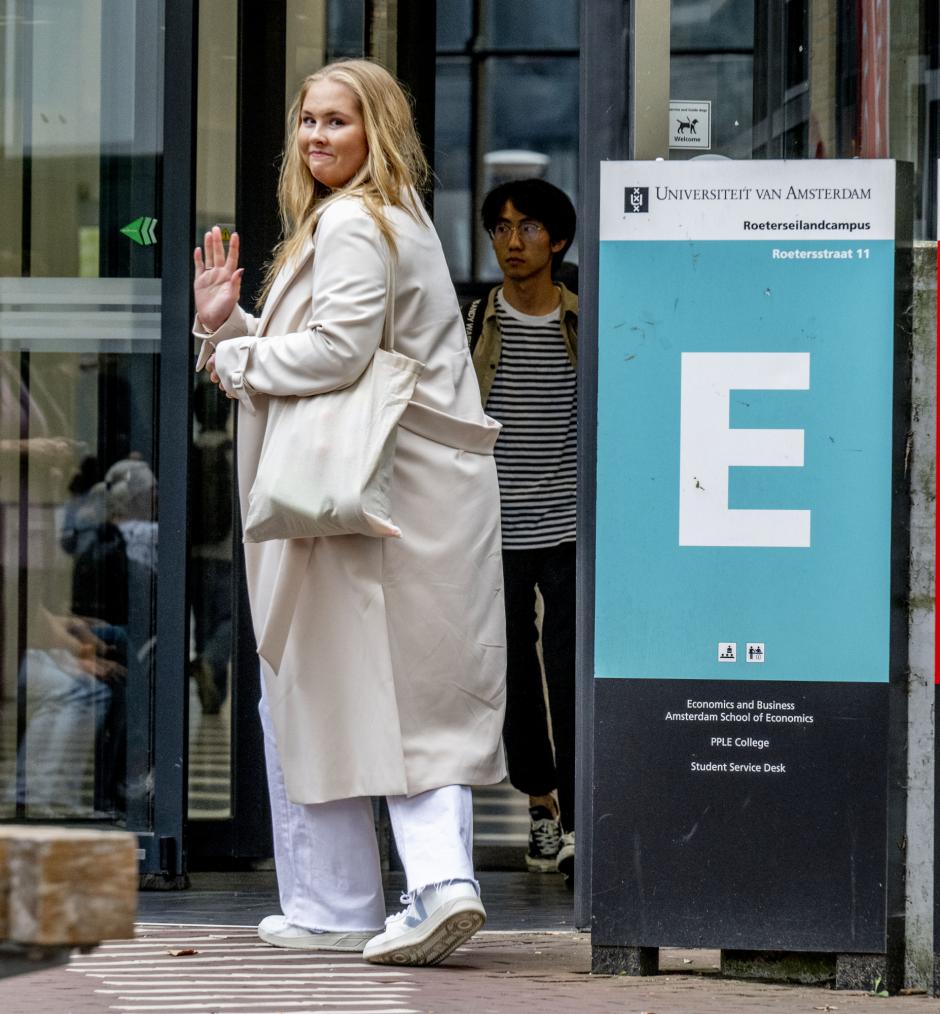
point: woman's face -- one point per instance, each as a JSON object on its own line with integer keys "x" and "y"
{"x": 332, "y": 138}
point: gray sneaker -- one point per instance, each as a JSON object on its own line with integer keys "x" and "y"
{"x": 544, "y": 841}
{"x": 277, "y": 931}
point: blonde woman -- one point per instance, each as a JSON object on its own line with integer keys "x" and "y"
{"x": 382, "y": 660}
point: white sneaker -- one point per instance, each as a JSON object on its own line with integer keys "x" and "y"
{"x": 277, "y": 931}
{"x": 434, "y": 924}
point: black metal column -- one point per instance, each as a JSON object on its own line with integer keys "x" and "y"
{"x": 165, "y": 852}
{"x": 262, "y": 68}
{"x": 416, "y": 64}
{"x": 605, "y": 88}
{"x": 262, "y": 30}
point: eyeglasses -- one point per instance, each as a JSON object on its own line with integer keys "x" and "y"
{"x": 528, "y": 232}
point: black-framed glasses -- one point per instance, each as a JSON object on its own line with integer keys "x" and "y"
{"x": 528, "y": 232}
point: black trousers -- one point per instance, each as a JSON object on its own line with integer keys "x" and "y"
{"x": 533, "y": 768}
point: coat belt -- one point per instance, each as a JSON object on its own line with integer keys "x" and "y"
{"x": 451, "y": 430}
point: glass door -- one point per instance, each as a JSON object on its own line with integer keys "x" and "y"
{"x": 250, "y": 67}
{"x": 81, "y": 325}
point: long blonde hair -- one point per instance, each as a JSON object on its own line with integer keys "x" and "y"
{"x": 393, "y": 173}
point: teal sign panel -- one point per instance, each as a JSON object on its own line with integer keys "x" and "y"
{"x": 746, "y": 336}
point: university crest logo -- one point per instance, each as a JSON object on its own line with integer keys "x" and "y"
{"x": 636, "y": 199}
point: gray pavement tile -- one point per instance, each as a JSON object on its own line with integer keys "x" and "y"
{"x": 495, "y": 973}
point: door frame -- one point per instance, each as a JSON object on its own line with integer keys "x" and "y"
{"x": 245, "y": 834}
{"x": 162, "y": 851}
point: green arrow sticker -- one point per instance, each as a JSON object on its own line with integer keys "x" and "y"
{"x": 142, "y": 230}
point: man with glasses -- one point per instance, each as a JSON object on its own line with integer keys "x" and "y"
{"x": 523, "y": 337}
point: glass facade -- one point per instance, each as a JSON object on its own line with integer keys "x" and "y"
{"x": 506, "y": 107}
{"x": 712, "y": 59}
{"x": 785, "y": 79}
{"x": 81, "y": 123}
{"x": 815, "y": 79}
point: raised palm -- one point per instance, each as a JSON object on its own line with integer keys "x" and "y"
{"x": 218, "y": 279}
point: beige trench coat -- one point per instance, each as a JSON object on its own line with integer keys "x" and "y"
{"x": 383, "y": 659}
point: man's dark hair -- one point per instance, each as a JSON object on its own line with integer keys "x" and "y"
{"x": 539, "y": 200}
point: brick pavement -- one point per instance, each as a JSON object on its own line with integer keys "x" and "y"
{"x": 496, "y": 973}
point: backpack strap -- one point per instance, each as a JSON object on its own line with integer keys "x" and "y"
{"x": 473, "y": 321}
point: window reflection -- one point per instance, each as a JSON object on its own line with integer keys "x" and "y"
{"x": 211, "y": 594}
{"x": 532, "y": 103}
{"x": 79, "y": 343}
{"x": 530, "y": 129}
{"x": 724, "y": 79}
{"x": 713, "y": 60}
{"x": 453, "y": 166}
{"x": 506, "y": 105}
{"x": 345, "y": 28}
{"x": 712, "y": 25}
{"x": 454, "y": 24}
{"x": 531, "y": 24}
{"x": 827, "y": 79}
{"x": 78, "y": 574}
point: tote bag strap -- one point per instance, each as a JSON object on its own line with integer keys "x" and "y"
{"x": 388, "y": 327}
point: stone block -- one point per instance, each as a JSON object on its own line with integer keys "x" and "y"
{"x": 624, "y": 960}
{"x": 806, "y": 968}
{"x": 860, "y": 971}
{"x": 69, "y": 886}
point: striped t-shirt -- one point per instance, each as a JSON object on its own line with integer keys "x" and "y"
{"x": 534, "y": 395}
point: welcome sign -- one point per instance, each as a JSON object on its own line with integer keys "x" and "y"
{"x": 747, "y": 535}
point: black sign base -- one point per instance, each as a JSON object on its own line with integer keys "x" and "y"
{"x": 740, "y": 816}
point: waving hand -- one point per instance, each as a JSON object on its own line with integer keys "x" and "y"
{"x": 218, "y": 279}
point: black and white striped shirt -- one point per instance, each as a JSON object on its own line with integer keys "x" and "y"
{"x": 534, "y": 396}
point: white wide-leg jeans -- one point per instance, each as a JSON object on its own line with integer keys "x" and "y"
{"x": 329, "y": 875}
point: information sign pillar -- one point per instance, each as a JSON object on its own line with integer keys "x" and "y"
{"x": 751, "y": 561}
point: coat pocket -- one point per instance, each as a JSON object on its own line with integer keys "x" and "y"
{"x": 295, "y": 558}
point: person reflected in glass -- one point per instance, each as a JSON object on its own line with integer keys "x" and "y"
{"x": 391, "y": 680}
{"x": 101, "y": 594}
{"x": 70, "y": 653}
{"x": 211, "y": 540}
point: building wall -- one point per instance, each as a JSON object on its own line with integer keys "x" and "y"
{"x": 922, "y": 471}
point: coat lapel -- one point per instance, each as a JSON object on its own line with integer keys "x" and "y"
{"x": 282, "y": 284}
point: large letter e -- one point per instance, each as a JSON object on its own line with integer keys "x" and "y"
{"x": 708, "y": 446}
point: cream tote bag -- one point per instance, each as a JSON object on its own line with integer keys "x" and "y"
{"x": 326, "y": 460}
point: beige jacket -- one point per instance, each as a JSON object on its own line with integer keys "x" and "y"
{"x": 384, "y": 659}
{"x": 489, "y": 348}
